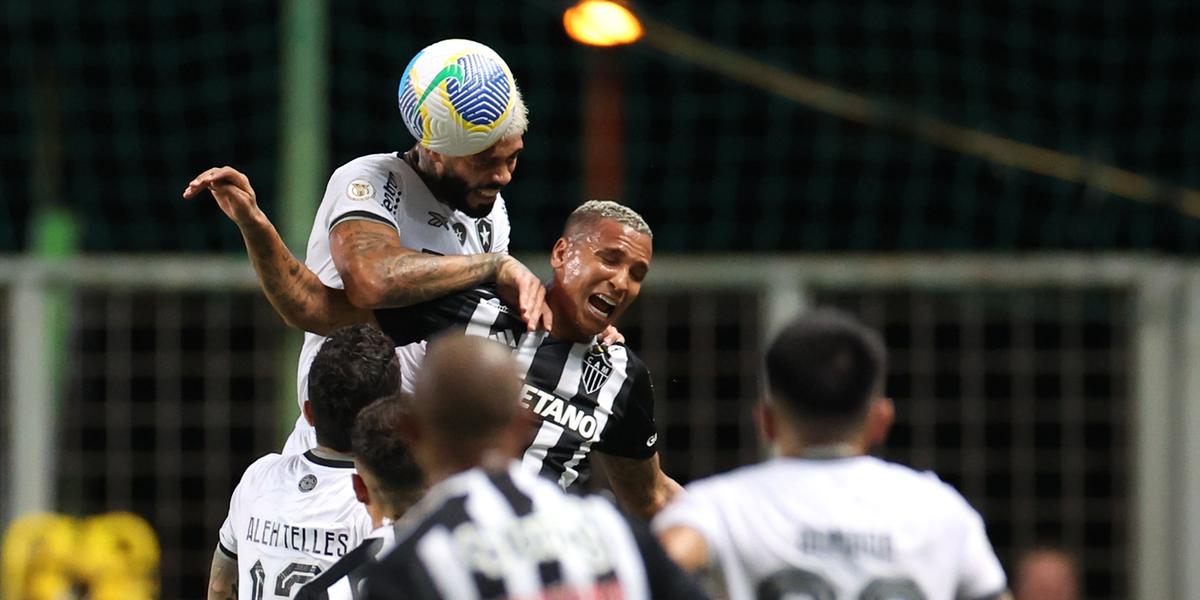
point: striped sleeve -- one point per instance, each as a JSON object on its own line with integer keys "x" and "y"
{"x": 634, "y": 433}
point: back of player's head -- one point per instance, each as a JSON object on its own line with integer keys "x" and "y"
{"x": 590, "y": 213}
{"x": 826, "y": 365}
{"x": 379, "y": 446}
{"x": 468, "y": 389}
{"x": 356, "y": 365}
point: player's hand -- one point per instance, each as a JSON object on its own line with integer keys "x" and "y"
{"x": 611, "y": 336}
{"x": 518, "y": 286}
{"x": 231, "y": 189}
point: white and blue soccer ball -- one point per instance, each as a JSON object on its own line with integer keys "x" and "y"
{"x": 458, "y": 97}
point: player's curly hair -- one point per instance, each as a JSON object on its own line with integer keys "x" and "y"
{"x": 826, "y": 365}
{"x": 378, "y": 446}
{"x": 354, "y": 367}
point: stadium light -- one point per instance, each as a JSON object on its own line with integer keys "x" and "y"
{"x": 602, "y": 23}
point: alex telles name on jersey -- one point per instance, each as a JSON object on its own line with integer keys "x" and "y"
{"x": 309, "y": 540}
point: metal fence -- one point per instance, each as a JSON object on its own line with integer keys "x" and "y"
{"x": 1053, "y": 391}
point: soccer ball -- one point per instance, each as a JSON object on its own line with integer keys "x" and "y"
{"x": 458, "y": 97}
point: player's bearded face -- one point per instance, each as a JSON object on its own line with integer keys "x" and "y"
{"x": 598, "y": 273}
{"x": 471, "y": 183}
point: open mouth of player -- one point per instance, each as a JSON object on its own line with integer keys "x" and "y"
{"x": 602, "y": 305}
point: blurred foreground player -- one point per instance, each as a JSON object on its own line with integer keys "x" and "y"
{"x": 825, "y": 520}
{"x": 489, "y": 528}
{"x": 292, "y": 516}
{"x": 387, "y": 483}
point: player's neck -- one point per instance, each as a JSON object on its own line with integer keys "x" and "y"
{"x": 331, "y": 454}
{"x": 490, "y": 459}
{"x": 563, "y": 328}
{"x": 794, "y": 444}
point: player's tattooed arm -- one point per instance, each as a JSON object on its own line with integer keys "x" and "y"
{"x": 223, "y": 578}
{"x": 379, "y": 272}
{"x": 639, "y": 484}
{"x": 297, "y": 294}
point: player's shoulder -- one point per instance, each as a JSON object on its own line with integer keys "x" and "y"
{"x": 259, "y": 472}
{"x": 922, "y": 490}
{"x": 369, "y": 164}
{"x": 266, "y": 463}
{"x": 633, "y": 363}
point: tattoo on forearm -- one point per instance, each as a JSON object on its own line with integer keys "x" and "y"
{"x": 282, "y": 277}
{"x": 413, "y": 277}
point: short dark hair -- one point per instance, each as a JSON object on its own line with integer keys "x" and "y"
{"x": 354, "y": 367}
{"x": 826, "y": 365}
{"x": 379, "y": 447}
{"x": 593, "y": 211}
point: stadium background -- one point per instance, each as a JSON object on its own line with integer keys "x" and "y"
{"x": 1024, "y": 397}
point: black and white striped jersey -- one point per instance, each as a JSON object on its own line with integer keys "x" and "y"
{"x": 483, "y": 535}
{"x": 344, "y": 580}
{"x": 588, "y": 396}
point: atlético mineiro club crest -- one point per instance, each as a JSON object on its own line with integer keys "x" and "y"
{"x": 484, "y": 227}
{"x": 597, "y": 367}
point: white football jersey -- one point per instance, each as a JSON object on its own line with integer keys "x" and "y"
{"x": 384, "y": 188}
{"x": 840, "y": 528}
{"x": 290, "y": 518}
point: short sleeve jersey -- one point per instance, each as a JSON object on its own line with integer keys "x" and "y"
{"x": 588, "y": 396}
{"x": 854, "y": 527}
{"x": 290, "y": 518}
{"x": 383, "y": 188}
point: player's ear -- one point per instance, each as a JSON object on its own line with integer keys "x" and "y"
{"x": 880, "y": 417}
{"x": 360, "y": 488}
{"x": 558, "y": 255}
{"x": 435, "y": 159}
{"x": 409, "y": 429}
{"x": 764, "y": 418}
{"x": 307, "y": 410}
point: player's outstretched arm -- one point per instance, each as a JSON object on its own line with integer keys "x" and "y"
{"x": 297, "y": 294}
{"x": 378, "y": 272}
{"x": 223, "y": 578}
{"x": 639, "y": 484}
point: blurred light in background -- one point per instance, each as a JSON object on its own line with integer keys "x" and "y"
{"x": 600, "y": 23}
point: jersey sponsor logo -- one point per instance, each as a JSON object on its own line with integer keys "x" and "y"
{"x": 484, "y": 227}
{"x": 461, "y": 231}
{"x": 437, "y": 219}
{"x": 308, "y": 482}
{"x": 497, "y": 304}
{"x": 650, "y": 442}
{"x": 597, "y": 367}
{"x": 391, "y": 193}
{"x": 551, "y": 407}
{"x": 360, "y": 189}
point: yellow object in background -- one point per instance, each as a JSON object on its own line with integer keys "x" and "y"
{"x": 55, "y": 557}
{"x": 602, "y": 23}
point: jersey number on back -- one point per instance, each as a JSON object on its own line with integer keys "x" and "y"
{"x": 798, "y": 583}
{"x": 292, "y": 575}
